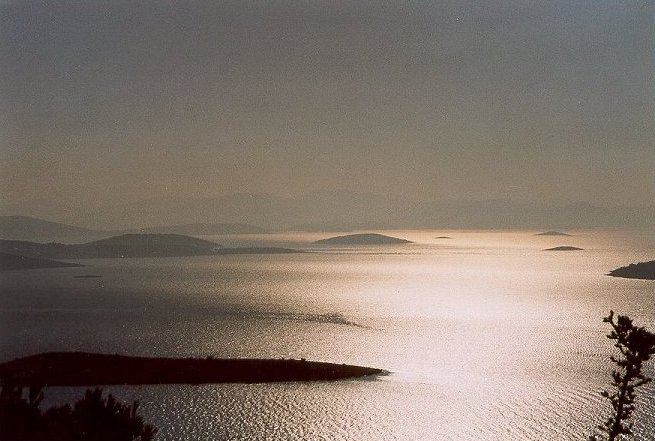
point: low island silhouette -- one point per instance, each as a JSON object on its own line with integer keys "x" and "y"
{"x": 91, "y": 369}
{"x": 131, "y": 245}
{"x": 552, "y": 233}
{"x": 16, "y": 262}
{"x": 362, "y": 239}
{"x": 564, "y": 248}
{"x": 641, "y": 270}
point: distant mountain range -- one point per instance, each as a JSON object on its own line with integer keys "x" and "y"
{"x": 29, "y": 228}
{"x": 331, "y": 211}
{"x": 205, "y": 229}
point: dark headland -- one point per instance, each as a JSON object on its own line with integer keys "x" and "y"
{"x": 552, "y": 233}
{"x": 642, "y": 270}
{"x": 564, "y": 248}
{"x": 16, "y": 262}
{"x": 362, "y": 239}
{"x": 88, "y": 369}
{"x": 131, "y": 245}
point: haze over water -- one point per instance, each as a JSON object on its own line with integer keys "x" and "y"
{"x": 486, "y": 336}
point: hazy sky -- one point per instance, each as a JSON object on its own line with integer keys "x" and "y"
{"x": 103, "y": 102}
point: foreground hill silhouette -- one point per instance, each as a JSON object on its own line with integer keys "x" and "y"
{"x": 87, "y": 369}
{"x": 642, "y": 270}
{"x": 14, "y": 262}
{"x": 362, "y": 239}
{"x": 131, "y": 245}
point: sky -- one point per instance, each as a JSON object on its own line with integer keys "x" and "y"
{"x": 104, "y": 102}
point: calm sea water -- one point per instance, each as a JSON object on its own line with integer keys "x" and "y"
{"x": 487, "y": 336}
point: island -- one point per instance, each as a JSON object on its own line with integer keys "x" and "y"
{"x": 564, "y": 248}
{"x": 443, "y": 237}
{"x": 362, "y": 239}
{"x": 641, "y": 270}
{"x": 91, "y": 369}
{"x": 552, "y": 233}
{"x": 131, "y": 245}
{"x": 17, "y": 262}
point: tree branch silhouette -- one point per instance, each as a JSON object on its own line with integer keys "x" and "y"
{"x": 635, "y": 345}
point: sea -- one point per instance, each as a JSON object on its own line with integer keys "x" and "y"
{"x": 485, "y": 336}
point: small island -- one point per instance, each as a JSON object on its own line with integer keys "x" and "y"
{"x": 564, "y": 248}
{"x": 552, "y": 233}
{"x": 642, "y": 270}
{"x": 443, "y": 237}
{"x": 16, "y": 262}
{"x": 362, "y": 239}
{"x": 90, "y": 369}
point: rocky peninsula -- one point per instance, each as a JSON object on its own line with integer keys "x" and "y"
{"x": 90, "y": 369}
{"x": 642, "y": 270}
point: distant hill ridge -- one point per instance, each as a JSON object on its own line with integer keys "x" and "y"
{"x": 341, "y": 210}
{"x": 30, "y": 228}
{"x": 130, "y": 245}
{"x": 206, "y": 229}
{"x": 39, "y": 230}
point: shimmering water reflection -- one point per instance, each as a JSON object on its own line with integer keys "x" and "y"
{"x": 488, "y": 337}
